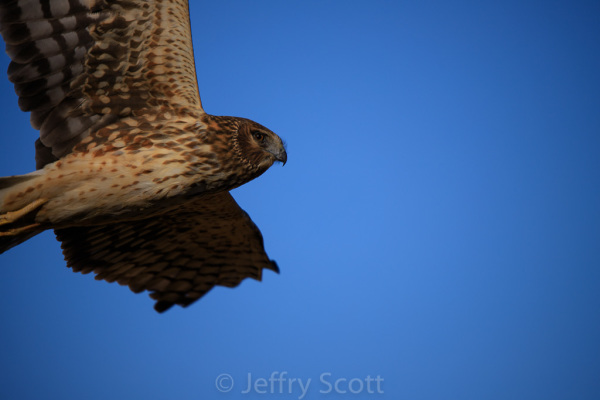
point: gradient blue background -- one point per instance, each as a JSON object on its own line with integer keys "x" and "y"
{"x": 437, "y": 224}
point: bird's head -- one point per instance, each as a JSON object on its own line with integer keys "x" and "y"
{"x": 259, "y": 146}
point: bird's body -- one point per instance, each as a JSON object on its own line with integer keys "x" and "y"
{"x": 126, "y": 150}
{"x": 137, "y": 174}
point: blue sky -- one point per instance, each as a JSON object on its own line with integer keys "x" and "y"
{"x": 437, "y": 224}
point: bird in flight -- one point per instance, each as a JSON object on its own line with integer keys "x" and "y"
{"x": 132, "y": 174}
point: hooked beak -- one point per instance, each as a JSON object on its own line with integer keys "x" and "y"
{"x": 278, "y": 151}
{"x": 281, "y": 156}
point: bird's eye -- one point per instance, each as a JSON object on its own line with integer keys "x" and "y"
{"x": 259, "y": 136}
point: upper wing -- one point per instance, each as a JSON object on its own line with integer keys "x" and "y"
{"x": 178, "y": 256}
{"x": 79, "y": 65}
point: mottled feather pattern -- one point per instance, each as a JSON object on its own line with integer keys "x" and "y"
{"x": 133, "y": 175}
{"x": 136, "y": 164}
{"x": 194, "y": 252}
{"x": 79, "y": 65}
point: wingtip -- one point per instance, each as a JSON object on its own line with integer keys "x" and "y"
{"x": 274, "y": 267}
{"x": 162, "y": 306}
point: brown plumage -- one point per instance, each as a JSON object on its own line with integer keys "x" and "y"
{"x": 132, "y": 174}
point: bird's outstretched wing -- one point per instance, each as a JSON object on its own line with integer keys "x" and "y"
{"x": 104, "y": 72}
{"x": 97, "y": 72}
{"x": 178, "y": 256}
{"x": 79, "y": 65}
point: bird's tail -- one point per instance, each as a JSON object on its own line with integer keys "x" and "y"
{"x": 17, "y": 225}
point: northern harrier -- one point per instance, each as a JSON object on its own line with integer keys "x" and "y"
{"x": 133, "y": 175}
